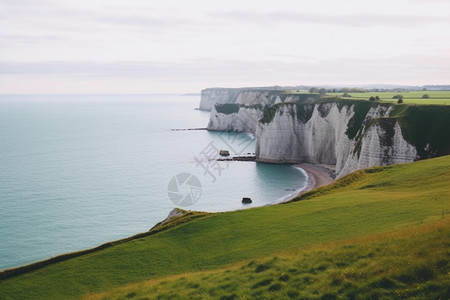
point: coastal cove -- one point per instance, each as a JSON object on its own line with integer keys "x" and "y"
{"x": 80, "y": 171}
{"x": 348, "y": 134}
{"x": 238, "y": 150}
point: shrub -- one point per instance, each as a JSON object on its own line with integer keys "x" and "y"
{"x": 426, "y": 96}
{"x": 229, "y": 297}
{"x": 275, "y": 287}
{"x": 424, "y": 273}
{"x": 261, "y": 268}
{"x": 227, "y": 108}
{"x": 384, "y": 283}
{"x": 262, "y": 283}
{"x": 284, "y": 277}
{"x": 293, "y": 294}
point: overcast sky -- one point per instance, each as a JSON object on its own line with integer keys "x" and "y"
{"x": 149, "y": 46}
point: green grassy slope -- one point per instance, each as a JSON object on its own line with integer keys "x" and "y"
{"x": 410, "y": 263}
{"x": 378, "y": 200}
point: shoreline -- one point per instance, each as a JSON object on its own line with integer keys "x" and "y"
{"x": 318, "y": 175}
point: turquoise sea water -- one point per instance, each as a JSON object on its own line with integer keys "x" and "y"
{"x": 78, "y": 171}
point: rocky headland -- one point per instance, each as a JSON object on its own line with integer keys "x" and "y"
{"x": 347, "y": 134}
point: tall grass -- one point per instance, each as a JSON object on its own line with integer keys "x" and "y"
{"x": 411, "y": 263}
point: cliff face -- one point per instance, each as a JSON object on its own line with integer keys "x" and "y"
{"x": 244, "y": 120}
{"x": 348, "y": 134}
{"x": 302, "y": 136}
{"x": 379, "y": 147}
{"x": 333, "y": 134}
{"x": 210, "y": 97}
{"x": 243, "y": 97}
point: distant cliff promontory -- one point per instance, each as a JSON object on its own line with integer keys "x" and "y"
{"x": 350, "y": 134}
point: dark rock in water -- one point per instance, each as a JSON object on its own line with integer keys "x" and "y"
{"x": 224, "y": 153}
{"x": 246, "y": 200}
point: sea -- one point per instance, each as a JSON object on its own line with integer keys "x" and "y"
{"x": 77, "y": 171}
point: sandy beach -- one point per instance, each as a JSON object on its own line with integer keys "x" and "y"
{"x": 318, "y": 175}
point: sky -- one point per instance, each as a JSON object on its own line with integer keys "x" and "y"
{"x": 175, "y": 46}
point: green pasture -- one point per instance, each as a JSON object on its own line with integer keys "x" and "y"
{"x": 409, "y": 97}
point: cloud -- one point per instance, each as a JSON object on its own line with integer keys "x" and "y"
{"x": 24, "y": 3}
{"x": 428, "y": 1}
{"x": 351, "y": 20}
{"x": 85, "y": 69}
{"x": 30, "y": 38}
{"x": 423, "y": 67}
{"x": 227, "y": 43}
{"x": 194, "y": 75}
{"x": 147, "y": 22}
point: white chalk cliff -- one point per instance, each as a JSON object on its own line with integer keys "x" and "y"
{"x": 245, "y": 120}
{"x": 351, "y": 135}
{"x": 245, "y": 97}
{"x": 323, "y": 138}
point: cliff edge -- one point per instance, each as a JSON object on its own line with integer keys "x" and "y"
{"x": 350, "y": 134}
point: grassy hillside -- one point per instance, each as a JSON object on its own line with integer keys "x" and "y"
{"x": 365, "y": 203}
{"x": 410, "y": 263}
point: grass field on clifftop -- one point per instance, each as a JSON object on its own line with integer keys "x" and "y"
{"x": 382, "y": 230}
{"x": 409, "y": 97}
